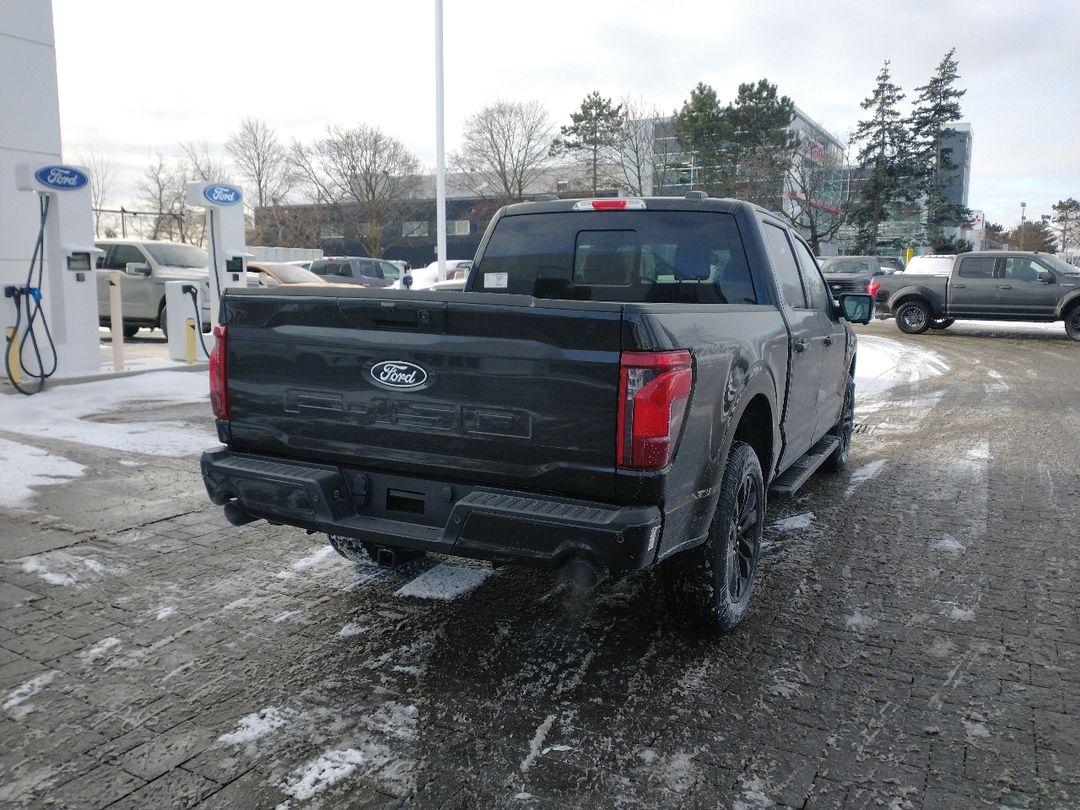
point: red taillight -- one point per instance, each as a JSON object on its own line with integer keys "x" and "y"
{"x": 654, "y": 390}
{"x": 219, "y": 391}
{"x": 872, "y": 288}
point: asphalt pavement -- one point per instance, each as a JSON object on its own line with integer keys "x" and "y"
{"x": 913, "y": 641}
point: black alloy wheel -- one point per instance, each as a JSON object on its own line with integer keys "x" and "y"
{"x": 843, "y": 430}
{"x": 1072, "y": 322}
{"x": 913, "y": 317}
{"x": 942, "y": 323}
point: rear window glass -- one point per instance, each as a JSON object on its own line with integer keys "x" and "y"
{"x": 977, "y": 267}
{"x": 644, "y": 256}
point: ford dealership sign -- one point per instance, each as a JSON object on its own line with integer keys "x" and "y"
{"x": 222, "y": 195}
{"x": 64, "y": 178}
{"x": 398, "y": 374}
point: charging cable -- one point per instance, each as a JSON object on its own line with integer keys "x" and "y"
{"x": 193, "y": 291}
{"x": 28, "y": 298}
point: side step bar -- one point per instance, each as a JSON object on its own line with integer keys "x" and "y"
{"x": 797, "y": 474}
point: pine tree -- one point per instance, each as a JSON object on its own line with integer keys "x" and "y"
{"x": 761, "y": 146}
{"x": 937, "y": 106}
{"x": 702, "y": 129}
{"x": 884, "y": 161}
{"x": 594, "y": 132}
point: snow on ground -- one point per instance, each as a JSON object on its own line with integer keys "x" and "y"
{"x": 884, "y": 363}
{"x": 23, "y": 467}
{"x": 258, "y": 724}
{"x": 67, "y": 569}
{"x": 93, "y": 413}
{"x": 863, "y": 474}
{"x": 794, "y": 523}
{"x": 321, "y": 773}
{"x": 445, "y": 581}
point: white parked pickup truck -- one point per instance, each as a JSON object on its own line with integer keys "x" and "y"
{"x": 146, "y": 265}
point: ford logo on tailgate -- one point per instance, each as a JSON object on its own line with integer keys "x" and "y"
{"x": 61, "y": 177}
{"x": 400, "y": 375}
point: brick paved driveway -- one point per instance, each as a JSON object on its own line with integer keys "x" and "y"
{"x": 914, "y": 640}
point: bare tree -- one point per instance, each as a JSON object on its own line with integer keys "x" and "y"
{"x": 102, "y": 175}
{"x": 263, "y": 163}
{"x": 637, "y": 146}
{"x": 505, "y": 148}
{"x": 361, "y": 168}
{"x": 818, "y": 191}
{"x": 161, "y": 190}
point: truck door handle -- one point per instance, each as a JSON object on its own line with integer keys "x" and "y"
{"x": 828, "y": 340}
{"x": 799, "y": 344}
{"x": 1005, "y": 286}
{"x": 959, "y": 286}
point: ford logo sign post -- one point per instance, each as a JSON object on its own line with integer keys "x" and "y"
{"x": 61, "y": 178}
{"x": 222, "y": 194}
{"x": 398, "y": 375}
{"x": 223, "y": 207}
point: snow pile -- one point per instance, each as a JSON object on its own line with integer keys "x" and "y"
{"x": 257, "y": 725}
{"x": 23, "y": 467}
{"x": 884, "y": 363}
{"x": 97, "y": 413}
{"x": 445, "y": 582}
{"x": 319, "y": 774}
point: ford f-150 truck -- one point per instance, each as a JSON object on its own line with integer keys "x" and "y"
{"x": 618, "y": 386}
{"x": 985, "y": 285}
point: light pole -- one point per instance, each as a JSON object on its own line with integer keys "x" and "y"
{"x": 1023, "y": 206}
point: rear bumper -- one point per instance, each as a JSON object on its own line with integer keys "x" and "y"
{"x": 504, "y": 526}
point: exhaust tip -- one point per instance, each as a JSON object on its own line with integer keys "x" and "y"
{"x": 581, "y": 573}
{"x": 235, "y": 514}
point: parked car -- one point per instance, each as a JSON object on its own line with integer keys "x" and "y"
{"x": 622, "y": 385}
{"x": 147, "y": 265}
{"x": 270, "y": 274}
{"x": 986, "y": 285}
{"x": 892, "y": 264}
{"x": 358, "y": 270}
{"x": 854, "y": 274}
{"x": 424, "y": 278}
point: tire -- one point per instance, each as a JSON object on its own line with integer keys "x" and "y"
{"x": 130, "y": 331}
{"x": 1072, "y": 321}
{"x": 163, "y": 320}
{"x": 913, "y": 317}
{"x": 843, "y": 430}
{"x": 714, "y": 581}
{"x": 942, "y": 323}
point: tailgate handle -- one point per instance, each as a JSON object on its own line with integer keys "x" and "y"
{"x": 408, "y": 317}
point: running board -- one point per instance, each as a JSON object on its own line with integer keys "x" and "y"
{"x": 797, "y": 474}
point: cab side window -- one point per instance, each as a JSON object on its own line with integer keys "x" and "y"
{"x": 119, "y": 255}
{"x": 815, "y": 284}
{"x": 783, "y": 261}
{"x": 977, "y": 267}
{"x": 1021, "y": 269}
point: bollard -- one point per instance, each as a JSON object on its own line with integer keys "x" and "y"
{"x": 189, "y": 344}
{"x": 13, "y": 355}
{"x": 116, "y": 321}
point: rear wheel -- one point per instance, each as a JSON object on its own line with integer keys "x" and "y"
{"x": 942, "y": 323}
{"x": 843, "y": 430}
{"x": 130, "y": 331}
{"x": 714, "y": 581}
{"x": 913, "y": 317}
{"x": 163, "y": 319}
{"x": 1072, "y": 322}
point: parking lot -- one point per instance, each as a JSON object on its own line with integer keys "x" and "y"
{"x": 914, "y": 639}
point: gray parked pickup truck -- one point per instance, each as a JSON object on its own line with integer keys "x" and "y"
{"x": 617, "y": 387}
{"x": 988, "y": 285}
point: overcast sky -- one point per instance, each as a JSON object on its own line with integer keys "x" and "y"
{"x": 136, "y": 77}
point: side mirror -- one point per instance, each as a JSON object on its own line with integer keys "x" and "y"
{"x": 1045, "y": 277}
{"x": 857, "y": 308}
{"x": 137, "y": 269}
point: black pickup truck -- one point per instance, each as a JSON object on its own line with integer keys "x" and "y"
{"x": 985, "y": 285}
{"x": 617, "y": 387}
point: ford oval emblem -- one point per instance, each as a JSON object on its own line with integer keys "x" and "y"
{"x": 64, "y": 178}
{"x": 400, "y": 375}
{"x": 222, "y": 195}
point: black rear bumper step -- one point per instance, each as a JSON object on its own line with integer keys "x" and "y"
{"x": 798, "y": 473}
{"x": 480, "y": 522}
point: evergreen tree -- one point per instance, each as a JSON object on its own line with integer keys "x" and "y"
{"x": 761, "y": 147}
{"x": 702, "y": 129}
{"x": 884, "y": 161}
{"x": 1067, "y": 221}
{"x": 937, "y": 106}
{"x": 594, "y": 132}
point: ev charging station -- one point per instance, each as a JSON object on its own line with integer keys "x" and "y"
{"x": 228, "y": 266}
{"x": 60, "y": 299}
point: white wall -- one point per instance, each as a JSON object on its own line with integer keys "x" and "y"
{"x": 29, "y": 129}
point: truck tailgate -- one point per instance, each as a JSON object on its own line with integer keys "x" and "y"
{"x": 506, "y": 389}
